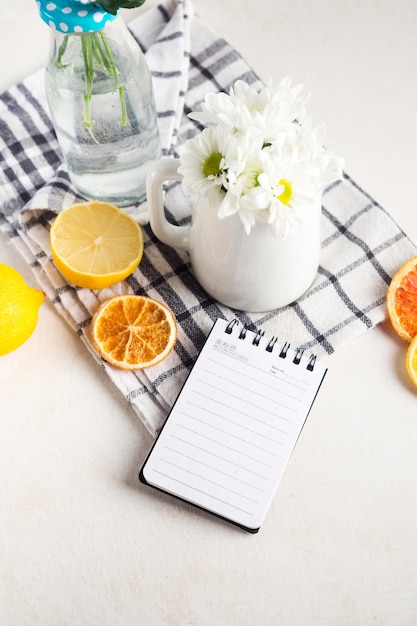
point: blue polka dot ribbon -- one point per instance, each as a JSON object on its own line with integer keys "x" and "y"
{"x": 74, "y": 16}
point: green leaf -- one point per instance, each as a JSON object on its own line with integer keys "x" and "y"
{"x": 112, "y": 6}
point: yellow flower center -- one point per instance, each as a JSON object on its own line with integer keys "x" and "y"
{"x": 286, "y": 195}
{"x": 211, "y": 166}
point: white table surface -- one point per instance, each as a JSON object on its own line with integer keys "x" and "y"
{"x": 82, "y": 543}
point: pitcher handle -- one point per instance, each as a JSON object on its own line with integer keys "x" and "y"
{"x": 159, "y": 172}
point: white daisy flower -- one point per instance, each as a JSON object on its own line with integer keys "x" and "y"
{"x": 266, "y": 111}
{"x": 286, "y": 192}
{"x": 201, "y": 164}
{"x": 290, "y": 183}
{"x": 241, "y": 170}
{"x": 221, "y": 108}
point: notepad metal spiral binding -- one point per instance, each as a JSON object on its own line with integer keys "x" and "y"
{"x": 259, "y": 334}
{"x": 229, "y": 436}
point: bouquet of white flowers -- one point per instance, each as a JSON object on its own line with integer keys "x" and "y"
{"x": 259, "y": 157}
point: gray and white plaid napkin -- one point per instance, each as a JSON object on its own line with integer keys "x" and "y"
{"x": 362, "y": 246}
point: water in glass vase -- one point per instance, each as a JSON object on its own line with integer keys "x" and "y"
{"x": 109, "y": 137}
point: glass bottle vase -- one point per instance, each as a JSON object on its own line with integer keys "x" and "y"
{"x": 99, "y": 91}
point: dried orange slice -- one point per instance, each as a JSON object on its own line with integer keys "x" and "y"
{"x": 411, "y": 360}
{"x": 402, "y": 300}
{"x": 95, "y": 244}
{"x": 133, "y": 332}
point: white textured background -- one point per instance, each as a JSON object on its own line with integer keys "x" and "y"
{"x": 82, "y": 543}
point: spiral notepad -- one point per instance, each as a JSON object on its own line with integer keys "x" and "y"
{"x": 234, "y": 425}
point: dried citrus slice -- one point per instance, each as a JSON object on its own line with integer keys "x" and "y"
{"x": 402, "y": 300}
{"x": 411, "y": 360}
{"x": 133, "y": 332}
{"x": 95, "y": 244}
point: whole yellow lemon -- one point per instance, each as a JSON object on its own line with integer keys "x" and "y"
{"x": 19, "y": 305}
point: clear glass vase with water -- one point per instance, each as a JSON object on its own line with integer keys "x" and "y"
{"x": 100, "y": 95}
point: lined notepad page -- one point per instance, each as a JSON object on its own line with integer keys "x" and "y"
{"x": 229, "y": 436}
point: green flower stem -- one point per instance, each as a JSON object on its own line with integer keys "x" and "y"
{"x": 123, "y": 121}
{"x": 61, "y": 52}
{"x": 87, "y": 50}
{"x": 97, "y": 52}
{"x": 95, "y": 47}
{"x": 109, "y": 63}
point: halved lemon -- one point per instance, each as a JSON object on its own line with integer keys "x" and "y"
{"x": 95, "y": 244}
{"x": 133, "y": 332}
{"x": 402, "y": 300}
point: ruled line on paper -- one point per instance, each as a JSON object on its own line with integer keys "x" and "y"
{"x": 233, "y": 382}
{"x": 210, "y": 482}
{"x": 233, "y": 435}
{"x": 236, "y": 410}
{"x": 222, "y": 458}
{"x": 299, "y": 385}
{"x": 223, "y": 445}
{"x": 255, "y": 405}
{"x": 243, "y": 413}
{"x": 210, "y": 495}
{"x": 239, "y": 424}
{"x": 216, "y": 469}
{"x": 288, "y": 379}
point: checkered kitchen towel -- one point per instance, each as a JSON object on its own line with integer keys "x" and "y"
{"x": 361, "y": 246}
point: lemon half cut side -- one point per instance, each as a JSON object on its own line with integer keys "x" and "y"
{"x": 95, "y": 244}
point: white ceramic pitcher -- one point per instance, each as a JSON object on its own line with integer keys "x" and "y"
{"x": 253, "y": 272}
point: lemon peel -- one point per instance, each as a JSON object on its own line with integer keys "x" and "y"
{"x": 19, "y": 306}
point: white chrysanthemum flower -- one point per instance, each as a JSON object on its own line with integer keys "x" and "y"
{"x": 291, "y": 181}
{"x": 241, "y": 163}
{"x": 221, "y": 108}
{"x": 241, "y": 170}
{"x": 286, "y": 192}
{"x": 266, "y": 111}
{"x": 202, "y": 164}
{"x": 272, "y": 109}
